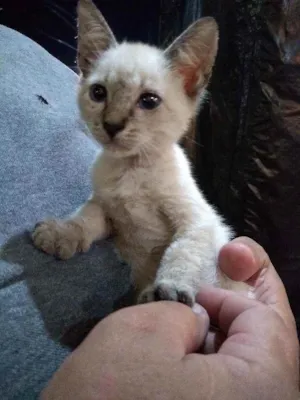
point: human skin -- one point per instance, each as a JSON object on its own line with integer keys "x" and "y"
{"x": 151, "y": 351}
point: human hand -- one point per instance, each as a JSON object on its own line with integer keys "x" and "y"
{"x": 261, "y": 334}
{"x": 245, "y": 261}
{"x": 149, "y": 351}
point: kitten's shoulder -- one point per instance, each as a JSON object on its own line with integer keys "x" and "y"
{"x": 182, "y": 164}
{"x": 180, "y": 156}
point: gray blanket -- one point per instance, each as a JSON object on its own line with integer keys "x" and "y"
{"x": 46, "y": 305}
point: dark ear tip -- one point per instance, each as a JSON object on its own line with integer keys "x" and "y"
{"x": 208, "y": 23}
{"x": 85, "y": 4}
{"x": 80, "y": 5}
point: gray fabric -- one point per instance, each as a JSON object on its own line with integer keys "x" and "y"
{"x": 46, "y": 305}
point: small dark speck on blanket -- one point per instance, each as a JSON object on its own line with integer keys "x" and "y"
{"x": 42, "y": 99}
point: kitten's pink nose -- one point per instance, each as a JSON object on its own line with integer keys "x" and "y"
{"x": 113, "y": 129}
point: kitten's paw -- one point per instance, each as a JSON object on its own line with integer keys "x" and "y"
{"x": 61, "y": 239}
{"x": 168, "y": 290}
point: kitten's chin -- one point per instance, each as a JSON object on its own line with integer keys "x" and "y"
{"x": 114, "y": 148}
{"x": 118, "y": 151}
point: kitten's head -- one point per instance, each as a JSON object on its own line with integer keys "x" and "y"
{"x": 136, "y": 98}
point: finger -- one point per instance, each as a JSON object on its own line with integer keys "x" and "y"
{"x": 236, "y": 260}
{"x": 245, "y": 260}
{"x": 187, "y": 328}
{"x": 223, "y": 306}
{"x": 181, "y": 328}
{"x": 260, "y": 260}
{"x": 170, "y": 326}
{"x": 269, "y": 288}
{"x": 249, "y": 323}
{"x": 213, "y": 342}
{"x": 202, "y": 331}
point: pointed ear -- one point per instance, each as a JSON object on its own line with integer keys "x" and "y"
{"x": 193, "y": 54}
{"x": 94, "y": 35}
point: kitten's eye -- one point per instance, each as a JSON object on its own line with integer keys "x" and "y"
{"x": 98, "y": 93}
{"x": 149, "y": 101}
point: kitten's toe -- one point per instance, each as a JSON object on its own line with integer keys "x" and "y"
{"x": 43, "y": 237}
{"x": 174, "y": 292}
{"x": 165, "y": 292}
{"x": 168, "y": 291}
{"x": 58, "y": 238}
{"x": 186, "y": 297}
{"x": 147, "y": 296}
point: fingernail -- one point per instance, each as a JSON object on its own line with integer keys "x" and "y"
{"x": 199, "y": 310}
{"x": 203, "y": 319}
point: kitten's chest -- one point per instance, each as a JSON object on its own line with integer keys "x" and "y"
{"x": 131, "y": 200}
{"x": 127, "y": 196}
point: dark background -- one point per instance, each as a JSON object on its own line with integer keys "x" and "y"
{"x": 52, "y": 23}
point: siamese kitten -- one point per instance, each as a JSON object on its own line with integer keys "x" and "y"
{"x": 138, "y": 101}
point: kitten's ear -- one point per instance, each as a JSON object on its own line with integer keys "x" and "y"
{"x": 94, "y": 35}
{"x": 193, "y": 54}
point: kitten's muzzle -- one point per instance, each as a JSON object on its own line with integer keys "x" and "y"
{"x": 113, "y": 129}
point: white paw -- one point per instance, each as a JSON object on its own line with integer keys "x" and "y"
{"x": 61, "y": 239}
{"x": 168, "y": 290}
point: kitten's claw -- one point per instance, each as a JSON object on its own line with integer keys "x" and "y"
{"x": 167, "y": 291}
{"x": 61, "y": 239}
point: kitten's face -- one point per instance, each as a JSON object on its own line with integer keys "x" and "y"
{"x": 132, "y": 102}
{"x": 137, "y": 99}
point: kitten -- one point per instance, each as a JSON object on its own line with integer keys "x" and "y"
{"x": 138, "y": 102}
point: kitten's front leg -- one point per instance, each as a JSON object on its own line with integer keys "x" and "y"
{"x": 63, "y": 238}
{"x": 191, "y": 259}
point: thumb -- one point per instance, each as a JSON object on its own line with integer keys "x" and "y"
{"x": 171, "y": 326}
{"x": 245, "y": 260}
